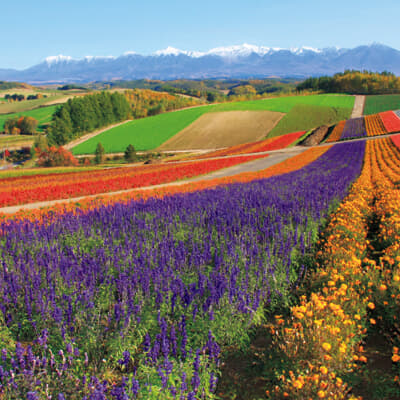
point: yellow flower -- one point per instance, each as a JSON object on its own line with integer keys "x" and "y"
{"x": 323, "y": 370}
{"x": 396, "y": 358}
{"x": 371, "y": 305}
{"x": 321, "y": 394}
{"x": 326, "y": 346}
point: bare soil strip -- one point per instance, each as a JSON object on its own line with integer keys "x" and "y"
{"x": 223, "y": 129}
{"x": 358, "y": 108}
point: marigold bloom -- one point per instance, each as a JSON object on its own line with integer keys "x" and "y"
{"x": 326, "y": 346}
{"x": 371, "y": 305}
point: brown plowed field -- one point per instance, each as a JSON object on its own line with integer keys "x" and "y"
{"x": 224, "y": 129}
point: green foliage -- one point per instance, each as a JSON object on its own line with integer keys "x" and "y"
{"x": 99, "y": 154}
{"x": 376, "y": 104}
{"x": 24, "y": 125}
{"x": 130, "y": 153}
{"x": 355, "y": 82}
{"x": 304, "y": 117}
{"x": 81, "y": 115}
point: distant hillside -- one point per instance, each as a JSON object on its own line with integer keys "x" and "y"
{"x": 233, "y": 62}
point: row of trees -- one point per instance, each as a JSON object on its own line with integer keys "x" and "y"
{"x": 20, "y": 97}
{"x": 145, "y": 103}
{"x": 85, "y": 114}
{"x": 20, "y": 125}
{"x": 354, "y": 82}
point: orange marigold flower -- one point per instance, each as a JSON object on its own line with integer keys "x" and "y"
{"x": 371, "y": 305}
{"x": 321, "y": 394}
{"x": 323, "y": 370}
{"x": 326, "y": 346}
{"x": 396, "y": 358}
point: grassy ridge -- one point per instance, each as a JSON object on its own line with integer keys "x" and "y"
{"x": 151, "y": 132}
{"x": 43, "y": 115}
{"x": 144, "y": 134}
{"x": 303, "y": 117}
{"x": 376, "y": 104}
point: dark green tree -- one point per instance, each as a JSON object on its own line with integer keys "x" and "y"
{"x": 99, "y": 154}
{"x": 130, "y": 153}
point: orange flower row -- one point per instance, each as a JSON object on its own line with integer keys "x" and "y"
{"x": 324, "y": 332}
{"x": 43, "y": 188}
{"x": 374, "y": 125}
{"x": 337, "y": 132}
{"x": 289, "y": 165}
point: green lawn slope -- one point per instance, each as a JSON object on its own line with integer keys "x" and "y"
{"x": 149, "y": 133}
{"x": 303, "y": 117}
{"x": 376, "y": 104}
{"x": 43, "y": 115}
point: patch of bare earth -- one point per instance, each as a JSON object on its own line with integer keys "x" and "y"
{"x": 224, "y": 129}
{"x": 316, "y": 137}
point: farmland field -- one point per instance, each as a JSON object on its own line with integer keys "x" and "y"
{"x": 149, "y": 133}
{"x": 43, "y": 115}
{"x": 12, "y": 141}
{"x": 305, "y": 117}
{"x": 152, "y": 302}
{"x": 27, "y": 105}
{"x": 379, "y": 103}
{"x": 221, "y": 129}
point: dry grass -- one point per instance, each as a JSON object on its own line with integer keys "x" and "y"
{"x": 224, "y": 129}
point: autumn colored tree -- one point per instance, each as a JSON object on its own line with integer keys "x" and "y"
{"x": 55, "y": 157}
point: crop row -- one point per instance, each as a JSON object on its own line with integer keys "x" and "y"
{"x": 136, "y": 300}
{"x": 292, "y": 164}
{"x": 42, "y": 188}
{"x": 336, "y": 132}
{"x": 269, "y": 144}
{"x": 374, "y": 125}
{"x": 354, "y": 292}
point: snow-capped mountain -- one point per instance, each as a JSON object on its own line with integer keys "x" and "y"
{"x": 239, "y": 61}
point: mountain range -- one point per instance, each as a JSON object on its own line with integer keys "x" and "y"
{"x": 242, "y": 61}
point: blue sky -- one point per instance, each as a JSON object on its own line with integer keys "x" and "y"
{"x": 32, "y": 30}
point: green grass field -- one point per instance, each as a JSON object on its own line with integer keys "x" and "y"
{"x": 26, "y": 105}
{"x": 149, "y": 133}
{"x": 376, "y": 104}
{"x": 43, "y": 115}
{"x": 303, "y": 117}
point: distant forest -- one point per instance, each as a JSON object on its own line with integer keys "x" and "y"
{"x": 212, "y": 90}
{"x": 354, "y": 82}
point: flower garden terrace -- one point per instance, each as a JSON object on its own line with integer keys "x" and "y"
{"x": 134, "y": 300}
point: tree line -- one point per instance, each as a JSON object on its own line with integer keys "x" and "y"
{"x": 20, "y": 97}
{"x": 354, "y": 82}
{"x": 85, "y": 114}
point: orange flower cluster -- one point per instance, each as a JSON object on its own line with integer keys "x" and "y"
{"x": 374, "y": 125}
{"x": 289, "y": 165}
{"x": 336, "y": 133}
{"x": 351, "y": 290}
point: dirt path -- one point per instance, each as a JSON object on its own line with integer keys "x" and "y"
{"x": 358, "y": 108}
{"x": 251, "y": 166}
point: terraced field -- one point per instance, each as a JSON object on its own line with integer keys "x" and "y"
{"x": 150, "y": 133}
{"x": 221, "y": 129}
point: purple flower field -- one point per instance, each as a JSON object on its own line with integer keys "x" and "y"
{"x": 138, "y": 300}
{"x": 354, "y": 128}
